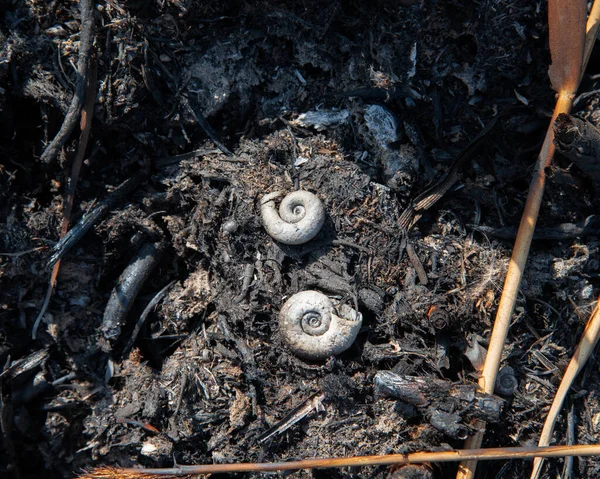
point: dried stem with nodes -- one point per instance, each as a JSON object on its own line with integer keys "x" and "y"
{"x": 355, "y": 461}
{"x": 571, "y": 43}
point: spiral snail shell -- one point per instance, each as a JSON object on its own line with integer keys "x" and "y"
{"x": 506, "y": 382}
{"x": 311, "y": 328}
{"x": 300, "y": 218}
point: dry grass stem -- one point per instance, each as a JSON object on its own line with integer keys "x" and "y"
{"x": 567, "y": 30}
{"x": 355, "y": 461}
{"x": 582, "y": 353}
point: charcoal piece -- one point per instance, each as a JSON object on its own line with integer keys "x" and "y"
{"x": 409, "y": 389}
{"x": 429, "y": 395}
{"x": 449, "y": 424}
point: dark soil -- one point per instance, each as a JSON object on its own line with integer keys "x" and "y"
{"x": 410, "y": 87}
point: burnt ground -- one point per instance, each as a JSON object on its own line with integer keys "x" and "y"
{"x": 406, "y": 88}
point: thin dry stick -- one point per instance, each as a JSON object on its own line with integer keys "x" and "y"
{"x": 566, "y": 21}
{"x": 512, "y": 282}
{"x": 85, "y": 125}
{"x": 582, "y": 353}
{"x": 354, "y": 461}
{"x": 86, "y": 39}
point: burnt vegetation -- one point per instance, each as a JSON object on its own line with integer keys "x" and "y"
{"x": 417, "y": 125}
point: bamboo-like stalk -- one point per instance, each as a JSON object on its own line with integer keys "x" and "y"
{"x": 354, "y": 461}
{"x": 591, "y": 33}
{"x": 569, "y": 49}
{"x": 582, "y": 353}
{"x": 513, "y": 280}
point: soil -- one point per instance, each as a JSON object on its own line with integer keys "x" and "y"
{"x": 215, "y": 104}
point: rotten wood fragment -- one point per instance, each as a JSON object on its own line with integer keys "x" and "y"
{"x": 445, "y": 404}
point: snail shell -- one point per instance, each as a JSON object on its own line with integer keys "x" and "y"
{"x": 506, "y": 382}
{"x": 300, "y": 218}
{"x": 438, "y": 317}
{"x": 311, "y": 328}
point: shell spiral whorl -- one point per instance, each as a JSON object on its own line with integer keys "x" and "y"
{"x": 311, "y": 328}
{"x": 299, "y": 219}
{"x": 315, "y": 323}
{"x": 506, "y": 382}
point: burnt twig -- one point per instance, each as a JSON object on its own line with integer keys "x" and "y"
{"x": 416, "y": 262}
{"x": 138, "y": 326}
{"x": 563, "y": 231}
{"x": 33, "y": 361}
{"x": 314, "y": 403}
{"x": 85, "y": 125}
{"x": 444, "y": 403}
{"x": 129, "y": 285}
{"x": 86, "y": 39}
{"x": 203, "y": 123}
{"x": 90, "y": 219}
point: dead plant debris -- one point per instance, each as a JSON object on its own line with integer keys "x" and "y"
{"x": 203, "y": 108}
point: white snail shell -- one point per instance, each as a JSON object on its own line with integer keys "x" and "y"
{"x": 300, "y": 218}
{"x": 311, "y": 328}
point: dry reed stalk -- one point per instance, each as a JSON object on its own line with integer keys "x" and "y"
{"x": 582, "y": 353}
{"x": 355, "y": 461}
{"x": 567, "y": 40}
